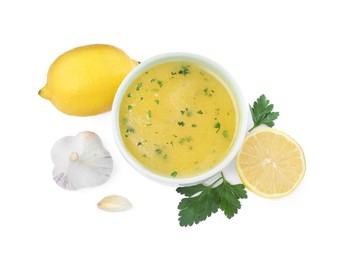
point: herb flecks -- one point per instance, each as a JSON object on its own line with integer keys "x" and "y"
{"x": 160, "y": 83}
{"x": 225, "y": 133}
{"x": 185, "y": 139}
{"x": 130, "y": 129}
{"x": 130, "y": 107}
{"x": 157, "y": 101}
{"x": 262, "y": 113}
{"x": 217, "y": 126}
{"x": 181, "y": 123}
{"x": 208, "y": 92}
{"x": 140, "y": 143}
{"x": 188, "y": 112}
{"x": 171, "y": 143}
{"x": 158, "y": 151}
{"x": 202, "y": 201}
{"x": 149, "y": 114}
{"x": 184, "y": 70}
{"x": 139, "y": 86}
{"x": 173, "y": 174}
{"x": 200, "y": 112}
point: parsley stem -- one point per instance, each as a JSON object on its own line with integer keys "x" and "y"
{"x": 222, "y": 177}
{"x": 253, "y": 127}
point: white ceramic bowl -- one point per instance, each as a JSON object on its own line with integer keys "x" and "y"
{"x": 207, "y": 63}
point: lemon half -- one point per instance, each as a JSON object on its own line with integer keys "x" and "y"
{"x": 270, "y": 163}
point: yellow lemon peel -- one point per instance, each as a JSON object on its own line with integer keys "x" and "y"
{"x": 83, "y": 81}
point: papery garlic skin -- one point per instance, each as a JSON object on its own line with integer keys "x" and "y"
{"x": 114, "y": 203}
{"x": 81, "y": 161}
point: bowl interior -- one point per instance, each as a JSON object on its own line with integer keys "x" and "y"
{"x": 210, "y": 65}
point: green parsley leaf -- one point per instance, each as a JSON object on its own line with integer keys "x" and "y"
{"x": 197, "y": 208}
{"x": 189, "y": 191}
{"x": 202, "y": 201}
{"x": 229, "y": 196}
{"x": 262, "y": 112}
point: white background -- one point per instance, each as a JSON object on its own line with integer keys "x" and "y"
{"x": 288, "y": 50}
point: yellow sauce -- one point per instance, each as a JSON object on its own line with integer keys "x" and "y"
{"x": 178, "y": 119}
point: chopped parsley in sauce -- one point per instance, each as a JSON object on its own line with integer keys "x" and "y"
{"x": 170, "y": 123}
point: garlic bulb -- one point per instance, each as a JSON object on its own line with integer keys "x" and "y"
{"x": 80, "y": 161}
{"x": 114, "y": 203}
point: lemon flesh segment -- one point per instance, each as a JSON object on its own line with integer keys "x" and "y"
{"x": 270, "y": 163}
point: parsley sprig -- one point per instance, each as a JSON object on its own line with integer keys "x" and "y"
{"x": 202, "y": 201}
{"x": 262, "y": 112}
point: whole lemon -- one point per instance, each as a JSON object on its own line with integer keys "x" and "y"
{"x": 83, "y": 81}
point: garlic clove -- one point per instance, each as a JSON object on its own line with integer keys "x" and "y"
{"x": 114, "y": 203}
{"x": 81, "y": 161}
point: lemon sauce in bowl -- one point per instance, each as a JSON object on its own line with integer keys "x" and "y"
{"x": 178, "y": 119}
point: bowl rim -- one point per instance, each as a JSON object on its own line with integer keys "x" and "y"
{"x": 212, "y": 66}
